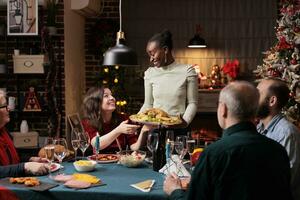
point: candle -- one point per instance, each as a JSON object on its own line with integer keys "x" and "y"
{"x": 97, "y": 145}
{"x": 168, "y": 148}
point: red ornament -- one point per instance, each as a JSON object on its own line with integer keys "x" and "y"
{"x": 296, "y": 29}
{"x": 293, "y": 62}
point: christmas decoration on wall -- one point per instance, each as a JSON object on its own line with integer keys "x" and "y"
{"x": 32, "y": 103}
{"x": 283, "y": 60}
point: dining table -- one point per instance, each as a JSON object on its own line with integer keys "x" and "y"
{"x": 116, "y": 179}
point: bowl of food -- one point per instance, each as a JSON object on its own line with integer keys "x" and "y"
{"x": 85, "y": 165}
{"x": 131, "y": 158}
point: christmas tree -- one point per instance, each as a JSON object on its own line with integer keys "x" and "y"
{"x": 283, "y": 60}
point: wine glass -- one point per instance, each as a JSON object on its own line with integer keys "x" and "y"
{"x": 152, "y": 142}
{"x": 49, "y": 151}
{"x": 61, "y": 152}
{"x": 75, "y": 141}
{"x": 180, "y": 146}
{"x": 190, "y": 145}
{"x": 84, "y": 142}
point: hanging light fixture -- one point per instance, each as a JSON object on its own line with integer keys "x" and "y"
{"x": 120, "y": 54}
{"x": 197, "y": 41}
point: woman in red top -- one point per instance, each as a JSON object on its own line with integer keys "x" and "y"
{"x": 99, "y": 115}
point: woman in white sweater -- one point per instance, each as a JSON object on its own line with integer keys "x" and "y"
{"x": 170, "y": 86}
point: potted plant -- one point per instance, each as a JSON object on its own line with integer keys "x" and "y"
{"x": 2, "y": 64}
{"x": 51, "y": 16}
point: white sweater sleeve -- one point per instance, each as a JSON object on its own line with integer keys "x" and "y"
{"x": 192, "y": 96}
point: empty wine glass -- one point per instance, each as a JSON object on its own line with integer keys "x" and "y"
{"x": 49, "y": 151}
{"x": 75, "y": 141}
{"x": 62, "y": 150}
{"x": 84, "y": 142}
{"x": 190, "y": 145}
{"x": 152, "y": 142}
{"x": 180, "y": 146}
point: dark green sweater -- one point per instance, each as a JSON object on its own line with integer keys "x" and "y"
{"x": 242, "y": 165}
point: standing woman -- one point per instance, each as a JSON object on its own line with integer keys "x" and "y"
{"x": 169, "y": 85}
{"x": 100, "y": 115}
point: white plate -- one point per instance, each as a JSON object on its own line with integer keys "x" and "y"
{"x": 55, "y": 167}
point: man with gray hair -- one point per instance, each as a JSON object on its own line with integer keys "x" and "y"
{"x": 243, "y": 164}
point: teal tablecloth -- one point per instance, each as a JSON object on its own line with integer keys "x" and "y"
{"x": 117, "y": 177}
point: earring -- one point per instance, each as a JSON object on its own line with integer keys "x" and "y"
{"x": 166, "y": 60}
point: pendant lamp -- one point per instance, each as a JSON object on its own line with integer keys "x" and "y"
{"x": 197, "y": 41}
{"x": 120, "y": 54}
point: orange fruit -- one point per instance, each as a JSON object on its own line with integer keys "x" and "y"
{"x": 195, "y": 155}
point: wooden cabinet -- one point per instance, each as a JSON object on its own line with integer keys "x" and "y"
{"x": 208, "y": 100}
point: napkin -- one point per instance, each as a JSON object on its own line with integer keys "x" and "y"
{"x": 176, "y": 166}
{"x": 144, "y": 186}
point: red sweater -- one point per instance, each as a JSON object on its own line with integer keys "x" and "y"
{"x": 124, "y": 139}
{"x": 8, "y": 153}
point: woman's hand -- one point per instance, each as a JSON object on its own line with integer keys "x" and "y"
{"x": 126, "y": 128}
{"x": 35, "y": 168}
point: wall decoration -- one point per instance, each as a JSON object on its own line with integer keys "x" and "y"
{"x": 22, "y": 17}
{"x": 32, "y": 103}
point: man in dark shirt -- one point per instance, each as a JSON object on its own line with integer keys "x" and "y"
{"x": 243, "y": 164}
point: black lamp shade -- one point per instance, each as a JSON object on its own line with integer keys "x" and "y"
{"x": 120, "y": 55}
{"x": 197, "y": 42}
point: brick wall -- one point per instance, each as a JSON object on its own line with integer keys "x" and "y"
{"x": 17, "y": 85}
{"x": 94, "y": 58}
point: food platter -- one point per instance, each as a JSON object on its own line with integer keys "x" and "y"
{"x": 104, "y": 158}
{"x": 166, "y": 121}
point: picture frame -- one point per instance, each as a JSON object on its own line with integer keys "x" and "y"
{"x": 75, "y": 122}
{"x": 22, "y": 17}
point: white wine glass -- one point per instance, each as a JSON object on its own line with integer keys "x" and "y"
{"x": 62, "y": 150}
{"x": 152, "y": 143}
{"x": 84, "y": 142}
{"x": 49, "y": 148}
{"x": 75, "y": 141}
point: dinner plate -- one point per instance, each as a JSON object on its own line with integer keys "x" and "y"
{"x": 54, "y": 167}
{"x": 111, "y": 158}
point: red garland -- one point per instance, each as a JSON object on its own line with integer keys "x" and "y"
{"x": 231, "y": 68}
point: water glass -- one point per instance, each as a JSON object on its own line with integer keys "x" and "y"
{"x": 84, "y": 142}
